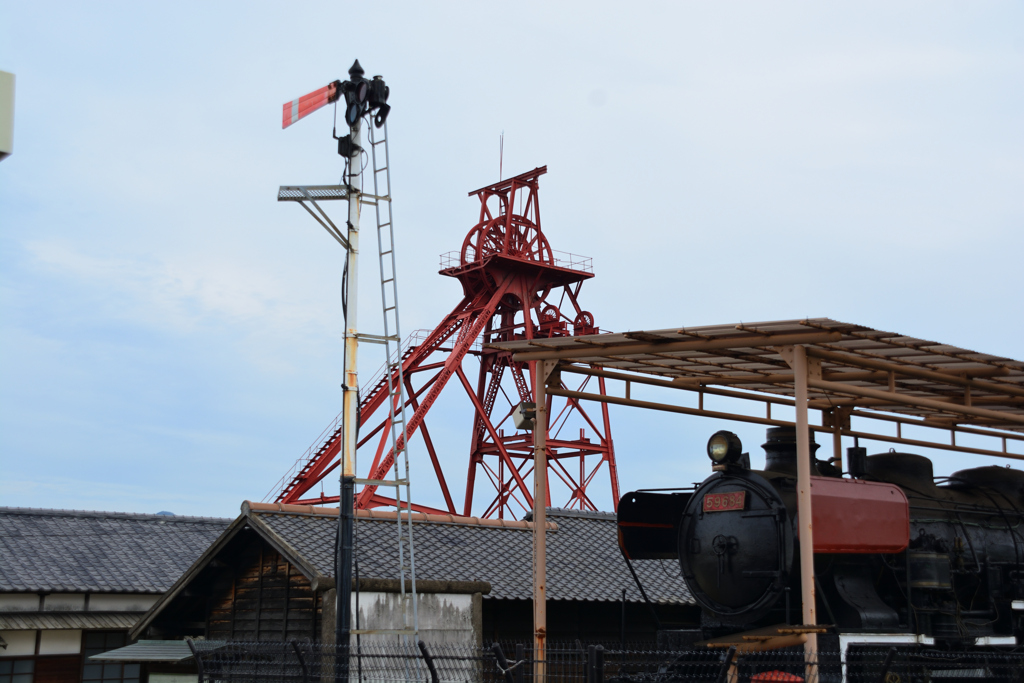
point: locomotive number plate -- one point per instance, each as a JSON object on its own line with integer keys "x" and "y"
{"x": 719, "y": 502}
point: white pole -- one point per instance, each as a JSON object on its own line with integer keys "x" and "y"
{"x": 351, "y": 387}
{"x": 350, "y": 407}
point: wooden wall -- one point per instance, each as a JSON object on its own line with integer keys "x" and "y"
{"x": 262, "y": 597}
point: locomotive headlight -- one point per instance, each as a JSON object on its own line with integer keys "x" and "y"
{"x": 724, "y": 447}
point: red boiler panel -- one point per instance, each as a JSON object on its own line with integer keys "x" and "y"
{"x": 853, "y": 516}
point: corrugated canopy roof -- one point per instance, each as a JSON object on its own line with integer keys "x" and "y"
{"x": 148, "y": 651}
{"x": 860, "y": 367}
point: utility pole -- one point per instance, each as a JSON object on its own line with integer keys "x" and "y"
{"x": 350, "y": 388}
{"x": 362, "y": 97}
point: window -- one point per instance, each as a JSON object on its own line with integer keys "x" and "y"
{"x": 16, "y": 670}
{"x": 95, "y": 643}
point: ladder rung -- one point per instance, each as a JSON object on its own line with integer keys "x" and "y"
{"x": 390, "y": 279}
{"x": 390, "y": 308}
{"x": 384, "y": 225}
{"x": 382, "y": 482}
{"x": 376, "y": 338}
{"x": 385, "y": 253}
{"x": 383, "y": 632}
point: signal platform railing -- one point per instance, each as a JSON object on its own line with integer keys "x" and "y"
{"x": 561, "y": 259}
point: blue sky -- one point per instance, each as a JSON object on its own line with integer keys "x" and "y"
{"x": 169, "y": 334}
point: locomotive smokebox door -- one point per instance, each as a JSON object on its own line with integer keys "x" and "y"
{"x": 736, "y": 546}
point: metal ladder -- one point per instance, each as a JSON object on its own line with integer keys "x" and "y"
{"x": 394, "y": 372}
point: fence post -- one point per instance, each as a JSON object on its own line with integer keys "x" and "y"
{"x": 886, "y": 664}
{"x": 599, "y": 664}
{"x": 723, "y": 671}
{"x": 520, "y": 674}
{"x": 302, "y": 662}
{"x": 195, "y": 656}
{"x": 502, "y": 662}
{"x": 429, "y": 661}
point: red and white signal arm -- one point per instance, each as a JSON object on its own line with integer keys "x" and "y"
{"x": 307, "y": 104}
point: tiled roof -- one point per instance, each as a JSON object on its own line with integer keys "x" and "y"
{"x": 584, "y": 562}
{"x": 103, "y": 552}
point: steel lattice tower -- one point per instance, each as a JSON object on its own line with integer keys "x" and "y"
{"x": 510, "y": 278}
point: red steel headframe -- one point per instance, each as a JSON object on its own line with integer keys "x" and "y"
{"x": 509, "y": 274}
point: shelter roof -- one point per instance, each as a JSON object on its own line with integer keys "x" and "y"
{"x": 148, "y": 651}
{"x": 102, "y": 552}
{"x": 850, "y": 365}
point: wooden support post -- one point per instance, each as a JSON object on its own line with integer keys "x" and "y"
{"x": 796, "y": 356}
{"x": 541, "y": 371}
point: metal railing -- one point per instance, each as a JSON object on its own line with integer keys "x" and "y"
{"x": 562, "y": 259}
{"x": 301, "y": 461}
{"x": 414, "y": 339}
{"x": 304, "y": 662}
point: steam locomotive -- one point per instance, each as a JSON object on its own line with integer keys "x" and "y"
{"x": 900, "y": 556}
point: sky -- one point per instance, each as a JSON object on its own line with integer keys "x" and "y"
{"x": 170, "y": 334}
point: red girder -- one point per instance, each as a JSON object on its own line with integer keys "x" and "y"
{"x": 508, "y": 271}
{"x": 454, "y": 360}
{"x": 497, "y": 370}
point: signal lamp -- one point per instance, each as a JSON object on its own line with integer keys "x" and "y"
{"x": 724, "y": 448}
{"x": 352, "y": 114}
{"x": 378, "y": 92}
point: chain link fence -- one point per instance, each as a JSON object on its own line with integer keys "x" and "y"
{"x": 509, "y": 662}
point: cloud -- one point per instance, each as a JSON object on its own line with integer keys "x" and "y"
{"x": 188, "y": 297}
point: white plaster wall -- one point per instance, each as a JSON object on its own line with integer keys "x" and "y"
{"x": 64, "y": 602}
{"x": 19, "y": 643}
{"x": 121, "y": 603}
{"x": 443, "y": 617}
{"x": 13, "y": 602}
{"x": 173, "y": 678}
{"x": 60, "y": 642}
